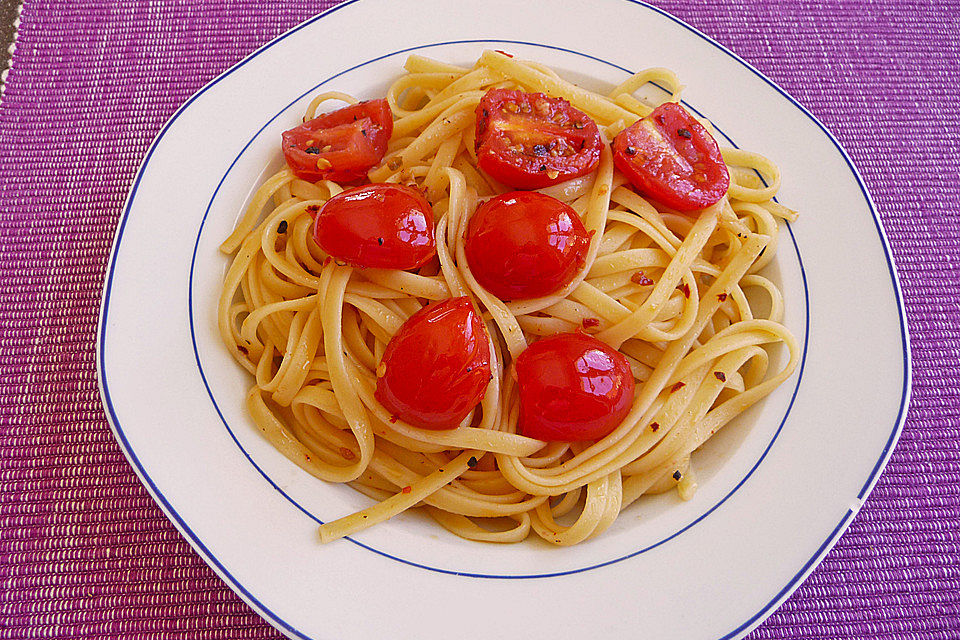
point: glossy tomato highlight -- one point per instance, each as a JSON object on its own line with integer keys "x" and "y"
{"x": 524, "y": 244}
{"x": 573, "y": 387}
{"x": 436, "y": 368}
{"x": 387, "y": 226}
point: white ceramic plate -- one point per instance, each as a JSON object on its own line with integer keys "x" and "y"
{"x": 777, "y": 489}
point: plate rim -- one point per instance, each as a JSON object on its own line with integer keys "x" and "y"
{"x": 235, "y": 585}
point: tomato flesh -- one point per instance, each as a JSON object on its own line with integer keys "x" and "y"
{"x": 340, "y": 146}
{"x": 531, "y": 140}
{"x": 386, "y": 226}
{"x": 524, "y": 244}
{"x": 436, "y": 368}
{"x": 572, "y": 388}
{"x": 671, "y": 158}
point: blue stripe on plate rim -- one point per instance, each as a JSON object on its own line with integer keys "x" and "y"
{"x": 281, "y": 624}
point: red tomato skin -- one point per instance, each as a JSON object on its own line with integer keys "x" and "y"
{"x": 524, "y": 245}
{"x": 357, "y": 136}
{"x": 534, "y": 121}
{"x": 385, "y": 226}
{"x": 572, "y": 388}
{"x": 436, "y": 368}
{"x": 671, "y": 158}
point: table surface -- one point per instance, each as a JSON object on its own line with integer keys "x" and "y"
{"x": 84, "y": 552}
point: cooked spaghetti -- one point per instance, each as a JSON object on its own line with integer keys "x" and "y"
{"x": 667, "y": 290}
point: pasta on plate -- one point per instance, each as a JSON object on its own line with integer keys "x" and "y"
{"x": 663, "y": 288}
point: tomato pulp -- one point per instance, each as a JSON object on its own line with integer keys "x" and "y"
{"x": 531, "y": 140}
{"x": 671, "y": 158}
{"x": 342, "y": 145}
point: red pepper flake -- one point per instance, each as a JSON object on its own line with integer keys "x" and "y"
{"x": 721, "y": 297}
{"x": 313, "y": 208}
{"x": 347, "y": 454}
{"x": 654, "y": 426}
{"x": 242, "y": 349}
{"x": 685, "y": 289}
{"x": 407, "y": 489}
{"x": 503, "y": 52}
{"x": 719, "y": 375}
{"x": 640, "y": 279}
{"x": 393, "y": 419}
{"x": 327, "y": 261}
{"x": 677, "y": 386}
{"x": 590, "y": 323}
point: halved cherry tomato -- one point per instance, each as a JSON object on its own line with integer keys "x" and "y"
{"x": 530, "y": 140}
{"x": 670, "y": 157}
{"x": 387, "y": 226}
{"x": 342, "y": 145}
{"x": 572, "y": 388}
{"x": 437, "y": 366}
{"x": 524, "y": 244}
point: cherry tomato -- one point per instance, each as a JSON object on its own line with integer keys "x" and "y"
{"x": 342, "y": 145}
{"x": 525, "y": 244}
{"x": 388, "y": 226}
{"x": 670, "y": 157}
{"x": 530, "y": 140}
{"x": 572, "y": 387}
{"x": 437, "y": 366}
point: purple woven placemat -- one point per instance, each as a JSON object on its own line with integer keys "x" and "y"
{"x": 84, "y": 552}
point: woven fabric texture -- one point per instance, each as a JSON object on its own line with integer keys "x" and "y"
{"x": 85, "y": 553}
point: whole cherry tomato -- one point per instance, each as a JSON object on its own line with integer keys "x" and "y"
{"x": 531, "y": 140}
{"x": 572, "y": 387}
{"x": 437, "y": 366}
{"x": 342, "y": 145}
{"x": 670, "y": 157}
{"x": 387, "y": 226}
{"x": 525, "y": 244}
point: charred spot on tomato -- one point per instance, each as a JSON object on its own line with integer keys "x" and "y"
{"x": 630, "y": 151}
{"x": 312, "y": 150}
{"x": 684, "y": 133}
